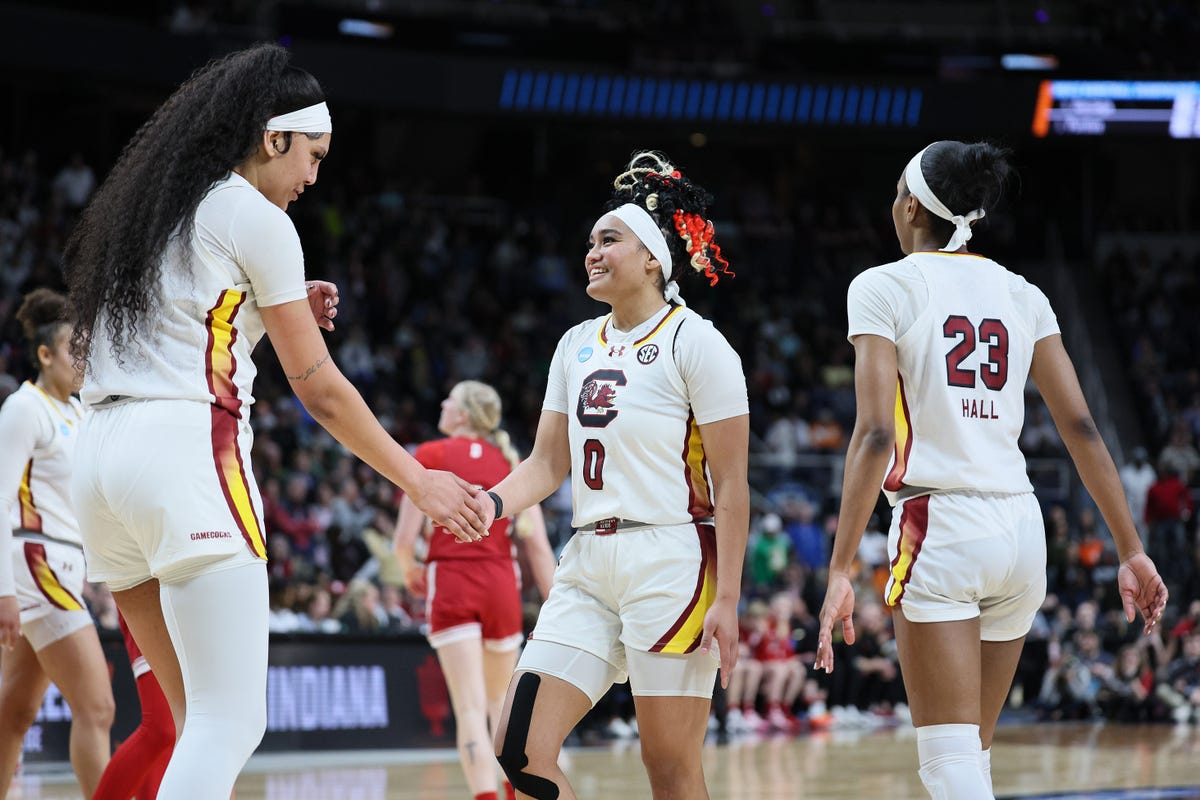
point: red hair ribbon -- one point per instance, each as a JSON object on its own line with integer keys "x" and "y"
{"x": 698, "y": 235}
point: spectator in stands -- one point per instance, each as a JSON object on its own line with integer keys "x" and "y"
{"x": 1137, "y": 476}
{"x": 874, "y": 683}
{"x": 742, "y": 692}
{"x": 1180, "y": 455}
{"x": 771, "y": 643}
{"x": 75, "y": 183}
{"x": 1169, "y": 508}
{"x": 1072, "y": 685}
{"x": 1128, "y": 693}
{"x": 769, "y": 554}
{"x": 809, "y": 541}
{"x": 1180, "y": 687}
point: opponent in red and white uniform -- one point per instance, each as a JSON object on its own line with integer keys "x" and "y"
{"x": 473, "y": 592}
{"x": 137, "y": 768}
{"x": 945, "y": 341}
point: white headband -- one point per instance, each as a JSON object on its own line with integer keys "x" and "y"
{"x": 313, "y": 119}
{"x": 920, "y": 189}
{"x": 645, "y": 228}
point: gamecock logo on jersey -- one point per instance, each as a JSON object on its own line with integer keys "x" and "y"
{"x": 598, "y": 395}
{"x": 597, "y": 405}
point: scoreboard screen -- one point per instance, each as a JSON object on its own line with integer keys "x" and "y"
{"x": 1097, "y": 108}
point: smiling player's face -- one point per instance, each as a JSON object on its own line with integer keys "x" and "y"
{"x": 617, "y": 262}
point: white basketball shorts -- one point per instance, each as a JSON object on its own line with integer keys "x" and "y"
{"x": 49, "y": 583}
{"x": 164, "y": 489}
{"x": 961, "y": 555}
{"x": 624, "y": 595}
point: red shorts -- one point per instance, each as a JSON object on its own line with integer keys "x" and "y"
{"x": 474, "y": 599}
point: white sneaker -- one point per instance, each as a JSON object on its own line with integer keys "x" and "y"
{"x": 1182, "y": 714}
{"x": 620, "y": 729}
{"x": 753, "y": 722}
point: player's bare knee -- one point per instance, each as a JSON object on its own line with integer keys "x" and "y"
{"x": 19, "y": 713}
{"x": 668, "y": 768}
{"x": 94, "y": 711}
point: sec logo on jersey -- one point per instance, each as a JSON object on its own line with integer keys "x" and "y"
{"x": 647, "y": 353}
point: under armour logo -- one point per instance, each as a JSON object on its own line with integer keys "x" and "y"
{"x": 616, "y": 351}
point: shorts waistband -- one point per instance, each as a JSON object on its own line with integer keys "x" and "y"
{"x": 603, "y": 527}
{"x": 35, "y": 536}
{"x": 112, "y": 400}
{"x": 610, "y": 525}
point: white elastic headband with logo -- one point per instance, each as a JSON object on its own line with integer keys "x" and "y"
{"x": 313, "y": 119}
{"x": 920, "y": 189}
{"x": 645, "y": 228}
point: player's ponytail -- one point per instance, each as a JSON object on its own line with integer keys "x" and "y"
{"x": 482, "y": 404}
{"x": 965, "y": 177}
{"x": 679, "y": 207}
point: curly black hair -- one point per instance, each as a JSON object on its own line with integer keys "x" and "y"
{"x": 680, "y": 208}
{"x": 42, "y": 314}
{"x": 965, "y": 177}
{"x": 210, "y": 124}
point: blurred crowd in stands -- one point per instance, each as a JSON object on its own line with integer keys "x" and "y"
{"x": 438, "y": 288}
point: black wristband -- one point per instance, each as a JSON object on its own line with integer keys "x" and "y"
{"x": 499, "y": 504}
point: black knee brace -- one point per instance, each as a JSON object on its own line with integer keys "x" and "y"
{"x": 512, "y": 756}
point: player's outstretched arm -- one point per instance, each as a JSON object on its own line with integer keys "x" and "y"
{"x": 337, "y": 406}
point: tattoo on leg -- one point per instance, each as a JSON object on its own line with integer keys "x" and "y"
{"x": 470, "y": 746}
{"x": 308, "y": 373}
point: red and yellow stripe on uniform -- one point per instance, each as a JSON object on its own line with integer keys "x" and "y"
{"x": 914, "y": 524}
{"x": 684, "y": 635}
{"x": 661, "y": 323}
{"x": 220, "y": 366}
{"x": 904, "y": 439}
{"x": 31, "y": 520}
{"x": 47, "y": 581}
{"x": 695, "y": 474}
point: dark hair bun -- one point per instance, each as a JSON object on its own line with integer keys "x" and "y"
{"x": 40, "y": 308}
{"x": 680, "y": 208}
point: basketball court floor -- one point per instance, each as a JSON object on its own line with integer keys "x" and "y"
{"x": 1066, "y": 762}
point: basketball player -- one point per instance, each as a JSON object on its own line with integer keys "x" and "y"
{"x": 46, "y": 632}
{"x": 646, "y": 408}
{"x": 137, "y": 768}
{"x": 944, "y": 342}
{"x": 181, "y": 262}
{"x": 473, "y": 594}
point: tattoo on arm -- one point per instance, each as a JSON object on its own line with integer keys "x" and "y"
{"x": 308, "y": 373}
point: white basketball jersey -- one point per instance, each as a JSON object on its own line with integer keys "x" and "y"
{"x": 965, "y": 329}
{"x": 43, "y": 501}
{"x": 244, "y": 253}
{"x": 635, "y": 402}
